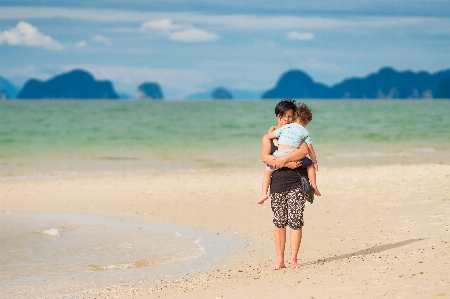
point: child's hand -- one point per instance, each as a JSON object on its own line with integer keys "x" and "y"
{"x": 293, "y": 164}
{"x": 316, "y": 167}
{"x": 279, "y": 163}
{"x": 271, "y": 129}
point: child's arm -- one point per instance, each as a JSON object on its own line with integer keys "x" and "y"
{"x": 271, "y": 129}
{"x": 271, "y": 135}
{"x": 312, "y": 154}
{"x": 274, "y": 133}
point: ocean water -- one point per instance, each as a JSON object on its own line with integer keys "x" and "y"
{"x": 78, "y": 137}
{"x": 60, "y": 255}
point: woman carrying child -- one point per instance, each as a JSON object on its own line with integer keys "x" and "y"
{"x": 290, "y": 136}
{"x": 287, "y": 200}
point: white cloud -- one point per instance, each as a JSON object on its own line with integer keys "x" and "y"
{"x": 294, "y": 35}
{"x": 180, "y": 32}
{"x": 163, "y": 24}
{"x": 193, "y": 35}
{"x": 25, "y": 34}
{"x": 101, "y": 40}
{"x": 228, "y": 21}
{"x": 81, "y": 44}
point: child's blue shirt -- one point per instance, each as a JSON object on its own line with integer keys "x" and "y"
{"x": 292, "y": 134}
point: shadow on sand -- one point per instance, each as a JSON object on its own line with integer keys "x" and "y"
{"x": 367, "y": 251}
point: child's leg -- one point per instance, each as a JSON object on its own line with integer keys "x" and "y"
{"x": 265, "y": 185}
{"x": 312, "y": 179}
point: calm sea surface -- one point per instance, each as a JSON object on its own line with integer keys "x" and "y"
{"x": 77, "y": 137}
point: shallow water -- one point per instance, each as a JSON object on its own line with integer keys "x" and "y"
{"x": 60, "y": 254}
{"x": 76, "y": 137}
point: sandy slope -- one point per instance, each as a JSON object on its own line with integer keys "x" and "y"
{"x": 376, "y": 231}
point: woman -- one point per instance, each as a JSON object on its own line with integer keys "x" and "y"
{"x": 287, "y": 201}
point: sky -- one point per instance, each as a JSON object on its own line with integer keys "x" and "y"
{"x": 195, "y": 46}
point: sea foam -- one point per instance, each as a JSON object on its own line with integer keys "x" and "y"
{"x": 54, "y": 232}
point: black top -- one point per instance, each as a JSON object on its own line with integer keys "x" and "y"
{"x": 285, "y": 179}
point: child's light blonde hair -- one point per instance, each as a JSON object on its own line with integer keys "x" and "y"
{"x": 303, "y": 113}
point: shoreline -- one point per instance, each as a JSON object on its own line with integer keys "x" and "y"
{"x": 376, "y": 231}
{"x": 92, "y": 174}
{"x": 62, "y": 276}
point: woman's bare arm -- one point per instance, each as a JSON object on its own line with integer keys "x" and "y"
{"x": 267, "y": 158}
{"x": 296, "y": 155}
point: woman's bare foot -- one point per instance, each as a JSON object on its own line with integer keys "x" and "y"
{"x": 279, "y": 266}
{"x": 316, "y": 191}
{"x": 263, "y": 199}
{"x": 294, "y": 264}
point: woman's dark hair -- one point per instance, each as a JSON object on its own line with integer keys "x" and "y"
{"x": 285, "y": 105}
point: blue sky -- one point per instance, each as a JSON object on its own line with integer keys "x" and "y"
{"x": 194, "y": 46}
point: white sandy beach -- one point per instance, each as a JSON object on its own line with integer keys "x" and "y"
{"x": 376, "y": 232}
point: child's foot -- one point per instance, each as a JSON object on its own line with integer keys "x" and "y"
{"x": 263, "y": 199}
{"x": 316, "y": 191}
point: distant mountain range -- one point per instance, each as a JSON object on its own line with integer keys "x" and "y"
{"x": 386, "y": 83}
{"x": 77, "y": 84}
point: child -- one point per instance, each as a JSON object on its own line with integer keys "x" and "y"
{"x": 290, "y": 137}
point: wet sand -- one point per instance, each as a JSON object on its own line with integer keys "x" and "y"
{"x": 376, "y": 232}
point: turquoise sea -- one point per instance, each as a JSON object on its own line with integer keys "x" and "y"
{"x": 46, "y": 138}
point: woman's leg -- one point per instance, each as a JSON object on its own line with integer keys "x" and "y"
{"x": 279, "y": 208}
{"x": 295, "y": 239}
{"x": 296, "y": 207}
{"x": 280, "y": 243}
